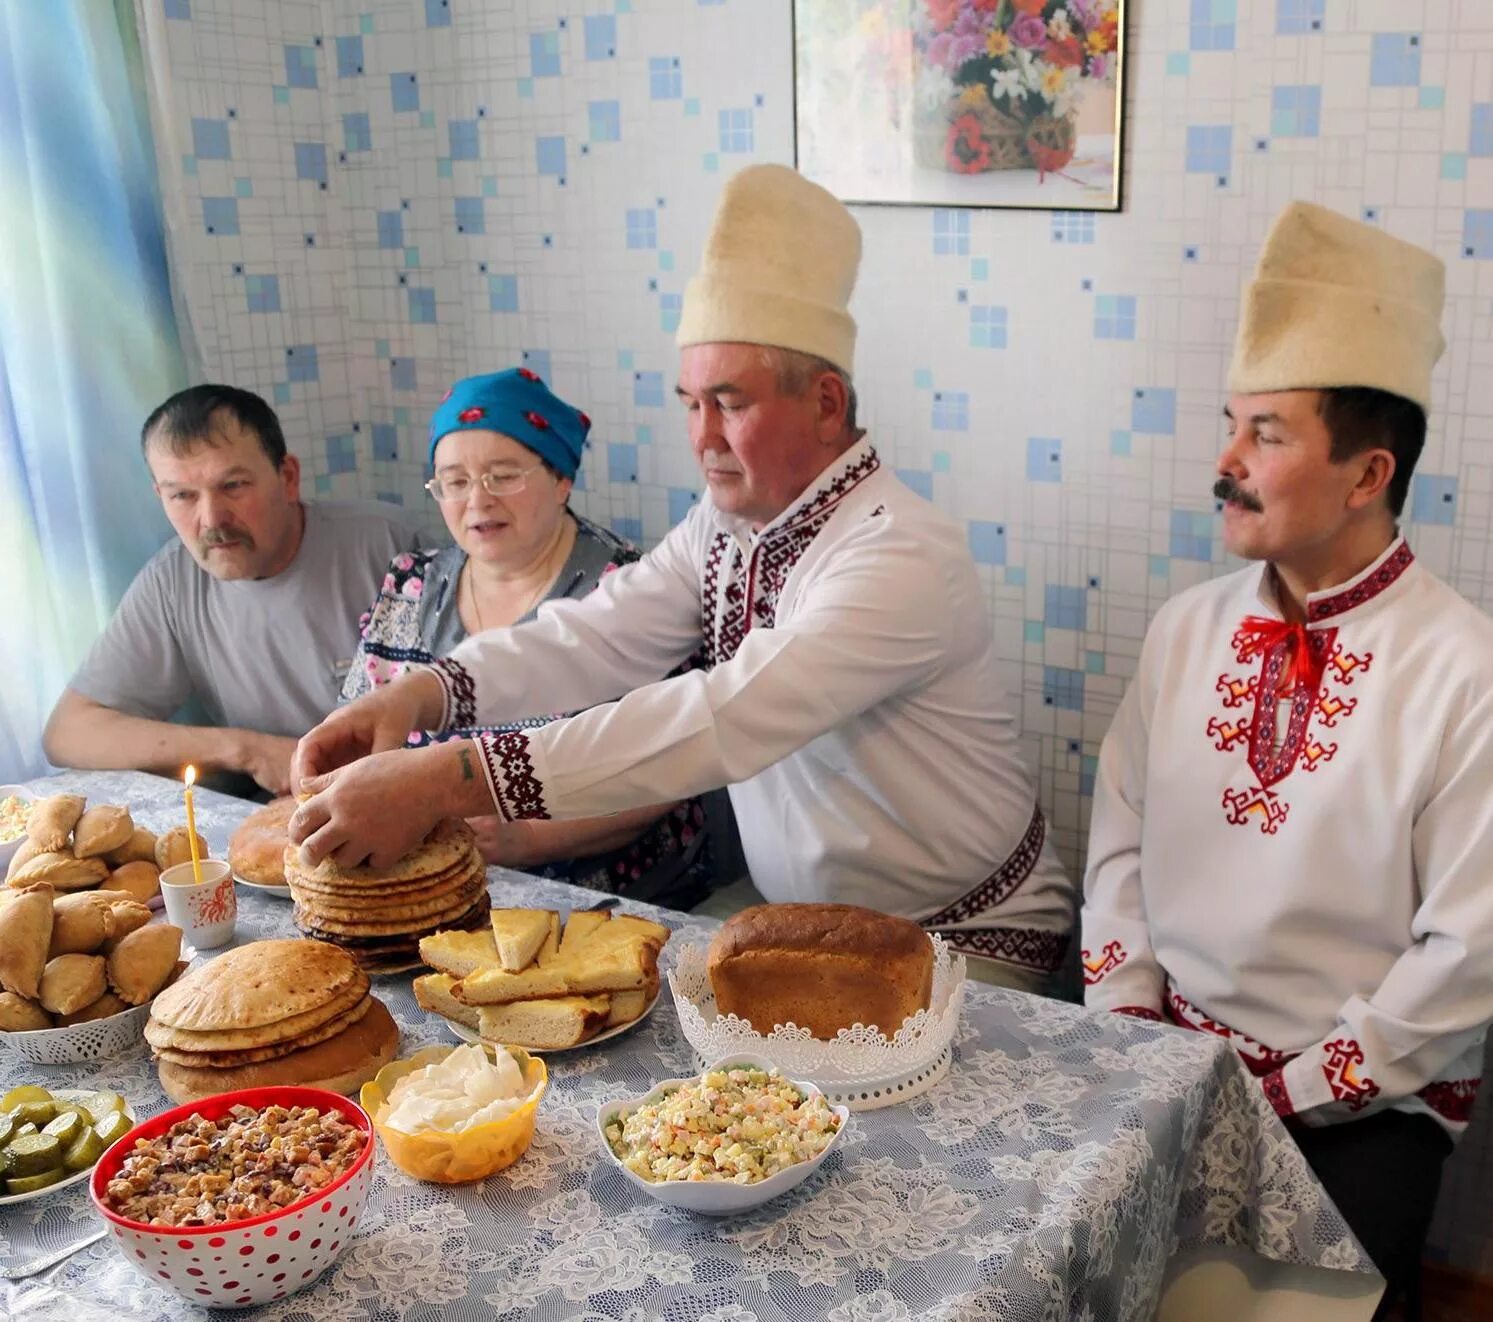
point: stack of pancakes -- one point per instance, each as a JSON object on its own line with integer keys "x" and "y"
{"x": 380, "y": 914}
{"x": 272, "y": 1012}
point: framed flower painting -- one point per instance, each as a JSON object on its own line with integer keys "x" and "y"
{"x": 979, "y": 103}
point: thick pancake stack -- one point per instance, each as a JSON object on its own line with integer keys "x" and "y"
{"x": 272, "y": 1012}
{"x": 380, "y": 914}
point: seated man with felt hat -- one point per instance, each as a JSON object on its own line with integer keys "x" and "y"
{"x": 1292, "y": 840}
{"x": 849, "y": 698}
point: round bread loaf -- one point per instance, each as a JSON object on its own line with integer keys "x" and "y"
{"x": 823, "y": 967}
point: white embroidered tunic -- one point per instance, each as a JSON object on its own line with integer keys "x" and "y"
{"x": 848, "y": 697}
{"x": 1321, "y": 898}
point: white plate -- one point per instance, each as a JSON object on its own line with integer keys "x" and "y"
{"x": 470, "y": 1035}
{"x": 65, "y": 1095}
{"x": 279, "y": 892}
{"x": 716, "y": 1197}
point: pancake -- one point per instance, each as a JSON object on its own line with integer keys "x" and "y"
{"x": 341, "y": 1064}
{"x": 257, "y": 984}
{"x": 228, "y": 1059}
{"x": 256, "y": 850}
{"x": 408, "y": 933}
{"x": 357, "y": 917}
{"x": 161, "y": 1035}
{"x": 449, "y": 841}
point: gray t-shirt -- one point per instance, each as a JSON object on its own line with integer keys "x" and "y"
{"x": 258, "y": 654}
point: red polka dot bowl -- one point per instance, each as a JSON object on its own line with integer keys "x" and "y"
{"x": 242, "y": 1263}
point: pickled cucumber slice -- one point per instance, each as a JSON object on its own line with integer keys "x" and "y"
{"x": 31, "y": 1183}
{"x": 27, "y": 1092}
{"x": 73, "y": 1108}
{"x": 27, "y": 1128}
{"x": 31, "y": 1154}
{"x": 111, "y": 1127}
{"x": 99, "y": 1104}
{"x": 65, "y": 1128}
{"x": 36, "y": 1113}
{"x": 8, "y": 1126}
{"x": 86, "y": 1149}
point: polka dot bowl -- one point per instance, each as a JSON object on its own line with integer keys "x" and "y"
{"x": 241, "y": 1263}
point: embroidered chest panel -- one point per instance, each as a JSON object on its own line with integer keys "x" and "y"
{"x": 1312, "y": 691}
{"x": 741, "y": 589}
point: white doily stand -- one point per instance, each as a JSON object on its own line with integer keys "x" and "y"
{"x": 861, "y": 1069}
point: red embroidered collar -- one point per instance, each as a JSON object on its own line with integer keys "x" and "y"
{"x": 1368, "y": 585}
{"x": 828, "y": 489}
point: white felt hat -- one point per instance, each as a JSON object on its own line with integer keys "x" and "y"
{"x": 1338, "y": 303}
{"x": 778, "y": 269}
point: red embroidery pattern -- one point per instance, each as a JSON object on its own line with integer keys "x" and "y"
{"x": 1258, "y": 1058}
{"x": 1000, "y": 884}
{"x": 1236, "y": 692}
{"x": 1227, "y": 733}
{"x": 1367, "y": 590}
{"x": 752, "y": 589}
{"x": 471, "y": 415}
{"x": 1451, "y": 1098}
{"x": 527, "y": 374}
{"x": 1315, "y": 754}
{"x": 1042, "y": 951}
{"x": 1331, "y": 709}
{"x": 1096, "y": 970}
{"x": 510, "y": 775}
{"x": 461, "y": 693}
{"x": 537, "y": 421}
{"x": 1346, "y": 666}
{"x": 1342, "y": 1055}
{"x": 1274, "y": 1085}
{"x": 1261, "y": 805}
{"x": 1139, "y": 1012}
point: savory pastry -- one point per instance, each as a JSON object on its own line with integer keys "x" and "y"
{"x": 142, "y": 962}
{"x": 51, "y": 820}
{"x": 823, "y": 967}
{"x": 81, "y": 924}
{"x": 140, "y": 847}
{"x": 70, "y": 982}
{"x": 60, "y": 869}
{"x": 127, "y": 915}
{"x": 18, "y": 1015}
{"x": 25, "y": 852}
{"x": 256, "y": 850}
{"x": 25, "y": 935}
{"x": 174, "y": 847}
{"x": 108, "y": 1004}
{"x": 101, "y": 829}
{"x": 140, "y": 881}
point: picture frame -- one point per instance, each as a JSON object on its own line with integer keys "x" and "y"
{"x": 961, "y": 103}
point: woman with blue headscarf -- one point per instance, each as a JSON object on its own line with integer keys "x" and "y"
{"x": 505, "y": 451}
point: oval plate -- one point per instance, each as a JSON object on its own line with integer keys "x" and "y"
{"x": 470, "y": 1035}
{"x": 65, "y": 1095}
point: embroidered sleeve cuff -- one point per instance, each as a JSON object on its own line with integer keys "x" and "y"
{"x": 509, "y": 768}
{"x": 459, "y": 704}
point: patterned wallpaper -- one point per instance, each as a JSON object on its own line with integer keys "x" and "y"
{"x": 369, "y": 198}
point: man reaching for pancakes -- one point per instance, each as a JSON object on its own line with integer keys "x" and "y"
{"x": 849, "y": 699}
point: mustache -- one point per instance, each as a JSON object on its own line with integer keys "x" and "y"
{"x": 224, "y": 537}
{"x": 1231, "y": 493}
{"x": 712, "y": 462}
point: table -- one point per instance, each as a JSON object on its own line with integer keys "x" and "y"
{"x": 1068, "y": 1158}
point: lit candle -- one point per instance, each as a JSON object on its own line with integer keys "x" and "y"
{"x": 191, "y": 779}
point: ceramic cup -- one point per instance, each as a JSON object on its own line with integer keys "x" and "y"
{"x": 205, "y": 911}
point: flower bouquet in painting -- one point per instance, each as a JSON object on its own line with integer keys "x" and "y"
{"x": 998, "y": 81}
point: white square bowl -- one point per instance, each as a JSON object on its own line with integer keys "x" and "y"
{"x": 716, "y": 1197}
{"x": 8, "y": 848}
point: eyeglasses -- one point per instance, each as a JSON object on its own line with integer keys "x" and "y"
{"x": 459, "y": 485}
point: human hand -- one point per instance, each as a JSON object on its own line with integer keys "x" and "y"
{"x": 375, "y": 723}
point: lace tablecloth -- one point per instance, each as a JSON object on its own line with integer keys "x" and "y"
{"x": 1052, "y": 1175}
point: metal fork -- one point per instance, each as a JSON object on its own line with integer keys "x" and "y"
{"x": 49, "y": 1260}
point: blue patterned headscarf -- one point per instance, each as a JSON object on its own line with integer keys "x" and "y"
{"x": 517, "y": 404}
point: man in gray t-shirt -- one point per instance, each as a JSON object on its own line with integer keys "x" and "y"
{"x": 252, "y": 614}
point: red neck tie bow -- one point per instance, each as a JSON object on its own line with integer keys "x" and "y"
{"x": 1258, "y": 635}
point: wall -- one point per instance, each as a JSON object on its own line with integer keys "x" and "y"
{"x": 370, "y": 198}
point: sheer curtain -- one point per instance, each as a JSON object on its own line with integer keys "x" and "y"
{"x": 88, "y": 345}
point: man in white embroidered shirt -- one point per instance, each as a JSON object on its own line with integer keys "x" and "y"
{"x": 1292, "y": 840}
{"x": 849, "y": 700}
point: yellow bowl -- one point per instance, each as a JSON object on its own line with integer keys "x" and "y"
{"x": 451, "y": 1158}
